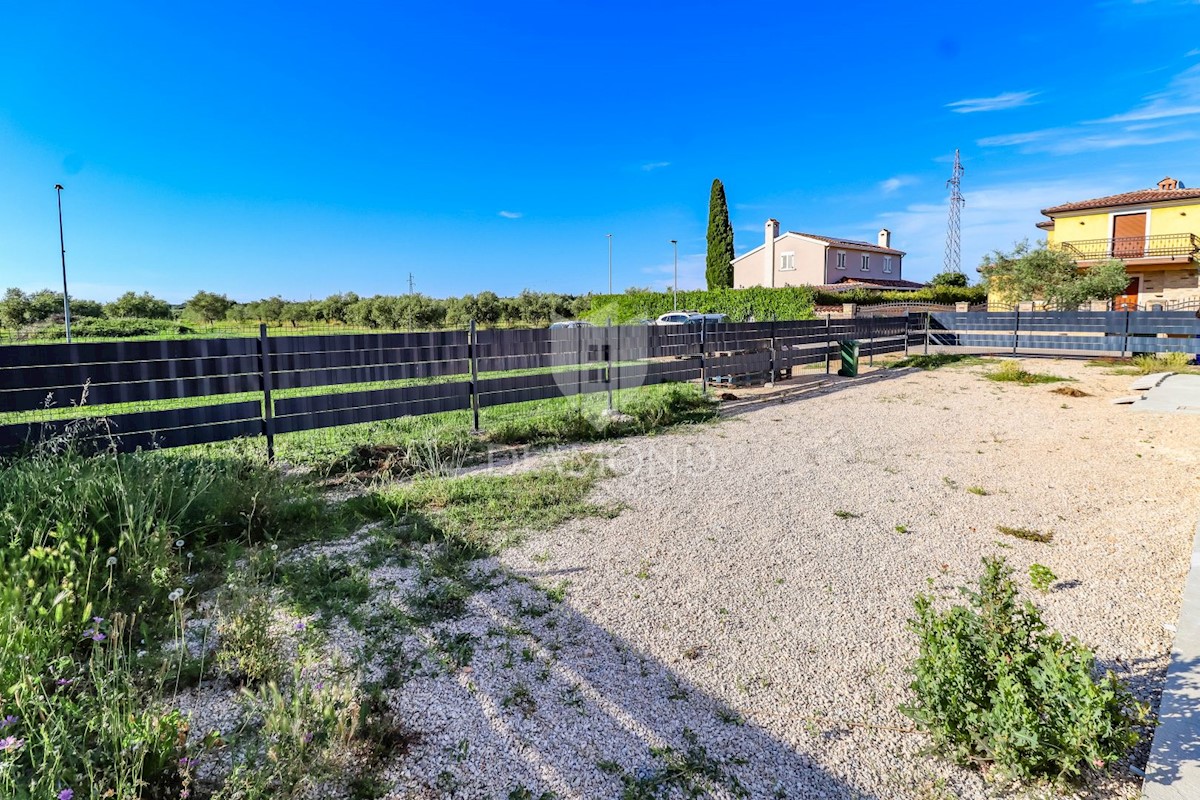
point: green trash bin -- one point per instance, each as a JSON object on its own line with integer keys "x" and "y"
{"x": 848, "y": 352}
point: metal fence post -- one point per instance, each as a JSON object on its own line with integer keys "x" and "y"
{"x": 1125, "y": 339}
{"x": 473, "y": 356}
{"x": 928, "y": 314}
{"x": 264, "y": 352}
{"x": 871, "y": 337}
{"x": 1016, "y": 328}
{"x": 704, "y": 356}
{"x": 828, "y": 345}
{"x": 773, "y": 320}
{"x": 907, "y": 322}
{"x": 579, "y": 369}
{"x": 608, "y": 367}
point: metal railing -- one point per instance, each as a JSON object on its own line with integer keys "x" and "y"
{"x": 1167, "y": 245}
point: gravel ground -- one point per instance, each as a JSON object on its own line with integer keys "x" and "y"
{"x": 732, "y": 615}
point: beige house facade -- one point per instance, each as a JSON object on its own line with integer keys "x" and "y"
{"x": 806, "y": 259}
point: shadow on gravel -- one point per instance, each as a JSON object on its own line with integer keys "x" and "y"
{"x": 806, "y": 387}
{"x": 1174, "y": 761}
{"x": 547, "y": 704}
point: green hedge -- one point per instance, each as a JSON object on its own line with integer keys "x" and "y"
{"x": 740, "y": 304}
{"x": 792, "y": 302}
{"x": 930, "y": 294}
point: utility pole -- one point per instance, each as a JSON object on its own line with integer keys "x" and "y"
{"x": 62, "y": 245}
{"x": 953, "y": 258}
{"x": 609, "y": 235}
{"x": 410, "y": 283}
{"x": 675, "y": 284}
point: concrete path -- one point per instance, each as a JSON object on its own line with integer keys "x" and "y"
{"x": 1173, "y": 772}
{"x": 1178, "y": 394}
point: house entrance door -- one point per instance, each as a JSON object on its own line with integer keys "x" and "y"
{"x": 1128, "y": 299}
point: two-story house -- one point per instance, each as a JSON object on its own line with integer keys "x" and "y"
{"x": 806, "y": 259}
{"x": 1156, "y": 232}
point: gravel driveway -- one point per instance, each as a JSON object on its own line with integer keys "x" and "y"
{"x": 747, "y": 610}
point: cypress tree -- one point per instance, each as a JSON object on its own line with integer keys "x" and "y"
{"x": 718, "y": 266}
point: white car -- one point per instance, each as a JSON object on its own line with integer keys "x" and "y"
{"x": 689, "y": 318}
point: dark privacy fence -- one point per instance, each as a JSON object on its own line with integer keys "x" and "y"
{"x": 141, "y": 394}
{"x": 1068, "y": 332}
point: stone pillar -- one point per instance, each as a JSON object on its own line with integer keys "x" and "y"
{"x": 849, "y": 309}
{"x": 1025, "y": 305}
{"x": 962, "y": 308}
{"x": 1098, "y": 305}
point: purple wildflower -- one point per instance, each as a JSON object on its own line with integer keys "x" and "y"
{"x": 9, "y": 720}
{"x": 11, "y": 743}
{"x": 98, "y": 637}
{"x": 96, "y": 620}
{"x": 64, "y": 681}
{"x": 300, "y": 625}
{"x": 66, "y": 794}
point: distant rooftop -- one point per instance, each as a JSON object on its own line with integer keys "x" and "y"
{"x": 1168, "y": 189}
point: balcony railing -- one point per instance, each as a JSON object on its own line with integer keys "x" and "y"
{"x": 1167, "y": 245}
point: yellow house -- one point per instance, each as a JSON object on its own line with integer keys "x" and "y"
{"x": 1156, "y": 232}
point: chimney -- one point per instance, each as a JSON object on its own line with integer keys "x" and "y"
{"x": 885, "y": 238}
{"x": 1168, "y": 183}
{"x": 770, "y": 234}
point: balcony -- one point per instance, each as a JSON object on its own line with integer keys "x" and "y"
{"x": 1166, "y": 247}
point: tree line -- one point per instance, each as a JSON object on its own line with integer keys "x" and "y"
{"x": 19, "y": 309}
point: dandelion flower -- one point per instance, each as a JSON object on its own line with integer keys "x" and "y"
{"x": 112, "y": 561}
{"x": 274, "y": 547}
{"x": 179, "y": 543}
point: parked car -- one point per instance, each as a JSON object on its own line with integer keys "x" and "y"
{"x": 569, "y": 323}
{"x": 690, "y": 318}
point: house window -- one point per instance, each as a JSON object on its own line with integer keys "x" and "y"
{"x": 841, "y": 261}
{"x": 887, "y": 263}
{"x": 787, "y": 261}
{"x": 866, "y": 263}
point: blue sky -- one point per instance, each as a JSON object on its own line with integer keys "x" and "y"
{"x": 302, "y": 149}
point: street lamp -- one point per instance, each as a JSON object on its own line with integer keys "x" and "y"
{"x": 675, "y": 284}
{"x": 609, "y": 236}
{"x": 62, "y": 245}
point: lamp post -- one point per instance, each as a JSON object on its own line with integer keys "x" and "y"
{"x": 609, "y": 236}
{"x": 675, "y": 283}
{"x": 62, "y": 245}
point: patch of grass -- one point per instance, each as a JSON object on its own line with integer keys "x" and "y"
{"x": 322, "y": 584}
{"x": 520, "y": 698}
{"x": 938, "y": 360}
{"x": 1070, "y": 391}
{"x": 843, "y": 514}
{"x": 978, "y": 490}
{"x": 1163, "y": 362}
{"x": 690, "y": 772}
{"x": 901, "y": 529}
{"x": 487, "y": 511}
{"x": 1041, "y": 577}
{"x": 1028, "y": 534}
{"x": 1013, "y": 372}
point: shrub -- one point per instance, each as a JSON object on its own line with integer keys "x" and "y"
{"x": 1162, "y": 362}
{"x": 104, "y": 328}
{"x": 1013, "y": 372}
{"x": 1041, "y": 577}
{"x": 994, "y": 686}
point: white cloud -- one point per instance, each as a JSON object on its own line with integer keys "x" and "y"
{"x": 511, "y": 214}
{"x": 691, "y": 273}
{"x": 653, "y": 165}
{"x": 1192, "y": 53}
{"x": 994, "y": 217}
{"x": 1000, "y": 102}
{"x": 1163, "y": 111}
{"x": 1181, "y": 98}
{"x": 896, "y": 183}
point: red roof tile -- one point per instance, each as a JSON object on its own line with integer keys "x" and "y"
{"x": 1139, "y": 197}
